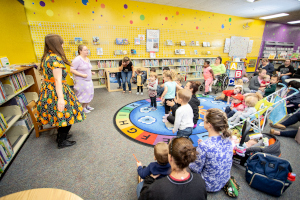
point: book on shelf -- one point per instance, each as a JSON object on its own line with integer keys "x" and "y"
{"x": 6, "y": 152}
{"x": 196, "y": 52}
{"x": 19, "y": 100}
{"x": 185, "y": 61}
{"x": 295, "y": 56}
{"x": 3, "y": 125}
{"x": 272, "y": 56}
{"x": 101, "y": 73}
{"x": 107, "y": 63}
{"x": 25, "y": 121}
{"x": 151, "y": 63}
{"x": 17, "y": 81}
{"x": 102, "y": 81}
{"x": 96, "y": 40}
{"x": 199, "y": 61}
{"x": 2, "y": 93}
{"x": 167, "y": 62}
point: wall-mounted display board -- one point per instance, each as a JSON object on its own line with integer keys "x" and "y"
{"x": 152, "y": 40}
{"x": 239, "y": 46}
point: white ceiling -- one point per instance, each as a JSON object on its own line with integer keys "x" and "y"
{"x": 240, "y": 8}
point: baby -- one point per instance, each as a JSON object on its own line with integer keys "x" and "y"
{"x": 265, "y": 82}
{"x": 161, "y": 167}
{"x": 250, "y": 143}
{"x": 226, "y": 94}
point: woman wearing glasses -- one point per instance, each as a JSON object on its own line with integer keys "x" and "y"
{"x": 214, "y": 160}
{"x": 126, "y": 69}
{"x": 180, "y": 184}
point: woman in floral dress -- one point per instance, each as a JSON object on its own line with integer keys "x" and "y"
{"x": 57, "y": 104}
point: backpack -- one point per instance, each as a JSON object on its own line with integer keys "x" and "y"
{"x": 268, "y": 173}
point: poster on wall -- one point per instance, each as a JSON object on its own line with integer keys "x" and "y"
{"x": 250, "y": 45}
{"x": 152, "y": 40}
{"x": 227, "y": 45}
{"x": 238, "y": 46}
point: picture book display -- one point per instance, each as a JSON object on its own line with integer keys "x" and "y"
{"x": 182, "y": 43}
{"x": 204, "y": 44}
{"x": 96, "y": 40}
{"x": 99, "y": 51}
{"x": 119, "y": 41}
{"x": 133, "y": 51}
{"x": 182, "y": 51}
{"x": 177, "y": 51}
{"x": 17, "y": 81}
{"x": 169, "y": 43}
{"x": 78, "y": 40}
{"x": 137, "y": 41}
{"x": 118, "y": 52}
{"x": 197, "y": 43}
{"x": 295, "y": 56}
{"x": 192, "y": 43}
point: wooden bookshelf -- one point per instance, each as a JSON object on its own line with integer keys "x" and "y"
{"x": 17, "y": 135}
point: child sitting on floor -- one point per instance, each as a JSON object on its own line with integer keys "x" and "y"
{"x": 208, "y": 75}
{"x": 226, "y": 94}
{"x": 250, "y": 101}
{"x": 178, "y": 80}
{"x": 184, "y": 114}
{"x": 245, "y": 78}
{"x": 271, "y": 88}
{"x": 236, "y": 105}
{"x": 152, "y": 87}
{"x": 161, "y": 166}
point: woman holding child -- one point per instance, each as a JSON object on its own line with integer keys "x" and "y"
{"x": 179, "y": 184}
{"x": 126, "y": 70}
{"x": 214, "y": 160}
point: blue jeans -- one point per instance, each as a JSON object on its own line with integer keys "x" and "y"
{"x": 229, "y": 112}
{"x": 126, "y": 76}
{"x": 292, "y": 120}
{"x": 290, "y": 134}
{"x": 185, "y": 133}
{"x": 283, "y": 79}
{"x": 139, "y": 188}
{"x": 119, "y": 77}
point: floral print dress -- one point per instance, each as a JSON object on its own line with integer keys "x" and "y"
{"x": 47, "y": 103}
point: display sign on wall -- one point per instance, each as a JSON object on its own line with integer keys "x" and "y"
{"x": 152, "y": 40}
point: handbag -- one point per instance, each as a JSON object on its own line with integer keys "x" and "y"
{"x": 297, "y": 138}
{"x": 232, "y": 188}
{"x": 268, "y": 173}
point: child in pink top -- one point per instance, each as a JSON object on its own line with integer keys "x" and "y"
{"x": 208, "y": 75}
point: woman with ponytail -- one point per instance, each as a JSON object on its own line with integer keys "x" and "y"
{"x": 180, "y": 184}
{"x": 214, "y": 160}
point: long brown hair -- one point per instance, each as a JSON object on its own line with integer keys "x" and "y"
{"x": 54, "y": 43}
{"x": 195, "y": 85}
{"x": 218, "y": 119}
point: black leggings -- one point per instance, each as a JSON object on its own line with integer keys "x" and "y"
{"x": 153, "y": 102}
{"x": 167, "y": 108}
{"x": 63, "y": 132}
{"x": 138, "y": 87}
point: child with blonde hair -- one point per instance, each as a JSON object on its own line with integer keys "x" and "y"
{"x": 178, "y": 79}
{"x": 169, "y": 90}
{"x": 139, "y": 80}
{"x": 250, "y": 101}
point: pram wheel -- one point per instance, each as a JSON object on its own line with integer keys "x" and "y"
{"x": 216, "y": 91}
{"x": 225, "y": 83}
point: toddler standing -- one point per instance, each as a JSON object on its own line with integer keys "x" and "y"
{"x": 208, "y": 75}
{"x": 152, "y": 86}
{"x": 184, "y": 114}
{"x": 169, "y": 90}
{"x": 139, "y": 80}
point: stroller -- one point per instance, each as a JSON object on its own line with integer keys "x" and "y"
{"x": 221, "y": 84}
{"x": 241, "y": 158}
{"x": 265, "y": 106}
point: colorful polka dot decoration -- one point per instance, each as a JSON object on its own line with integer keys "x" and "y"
{"x": 49, "y": 13}
{"x": 222, "y": 26}
{"x": 229, "y": 19}
{"x": 102, "y": 5}
{"x": 42, "y": 4}
{"x": 166, "y": 18}
{"x": 85, "y": 2}
{"x": 142, "y": 17}
{"x": 131, "y": 22}
{"x": 125, "y": 6}
{"x": 177, "y": 13}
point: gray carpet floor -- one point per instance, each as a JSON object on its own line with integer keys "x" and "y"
{"x": 101, "y": 165}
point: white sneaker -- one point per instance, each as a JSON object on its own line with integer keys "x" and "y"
{"x": 210, "y": 88}
{"x": 142, "y": 93}
{"x": 137, "y": 93}
{"x": 90, "y": 108}
{"x": 86, "y": 110}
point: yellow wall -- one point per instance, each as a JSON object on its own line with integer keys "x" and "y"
{"x": 126, "y": 19}
{"x": 15, "y": 38}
